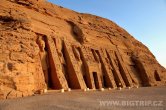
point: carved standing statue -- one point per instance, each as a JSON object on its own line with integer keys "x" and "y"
{"x": 44, "y": 58}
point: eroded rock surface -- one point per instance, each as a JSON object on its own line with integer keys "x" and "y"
{"x": 46, "y": 46}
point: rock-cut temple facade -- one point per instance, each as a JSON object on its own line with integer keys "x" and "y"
{"x": 44, "y": 46}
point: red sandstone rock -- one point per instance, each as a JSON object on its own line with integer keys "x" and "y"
{"x": 46, "y": 46}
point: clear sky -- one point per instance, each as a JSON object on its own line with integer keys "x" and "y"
{"x": 144, "y": 19}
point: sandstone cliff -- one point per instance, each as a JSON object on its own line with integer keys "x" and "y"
{"x": 46, "y": 46}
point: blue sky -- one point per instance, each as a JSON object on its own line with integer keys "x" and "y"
{"x": 144, "y": 19}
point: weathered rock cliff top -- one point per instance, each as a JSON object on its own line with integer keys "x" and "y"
{"x": 47, "y": 46}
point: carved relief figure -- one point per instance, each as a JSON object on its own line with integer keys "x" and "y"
{"x": 60, "y": 50}
{"x": 59, "y": 47}
{"x": 76, "y": 53}
{"x": 44, "y": 58}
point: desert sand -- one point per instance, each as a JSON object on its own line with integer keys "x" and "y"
{"x": 78, "y": 100}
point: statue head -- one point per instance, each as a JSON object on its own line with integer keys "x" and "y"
{"x": 41, "y": 44}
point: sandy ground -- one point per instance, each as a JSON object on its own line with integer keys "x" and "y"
{"x": 153, "y": 98}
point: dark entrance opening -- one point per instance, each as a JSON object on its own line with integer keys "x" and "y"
{"x": 156, "y": 75}
{"x": 96, "y": 81}
{"x": 105, "y": 82}
{"x": 85, "y": 80}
